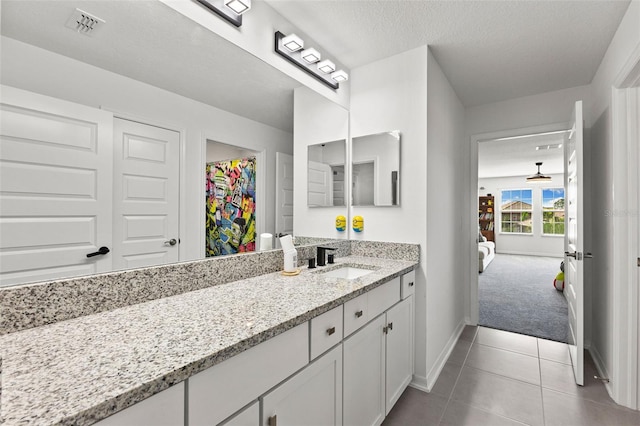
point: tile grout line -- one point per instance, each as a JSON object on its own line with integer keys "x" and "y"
{"x": 544, "y": 417}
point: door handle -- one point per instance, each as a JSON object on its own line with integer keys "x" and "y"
{"x": 101, "y": 251}
{"x": 588, "y": 256}
{"x": 574, "y": 254}
{"x": 171, "y": 242}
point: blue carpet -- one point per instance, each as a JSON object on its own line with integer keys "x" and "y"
{"x": 516, "y": 293}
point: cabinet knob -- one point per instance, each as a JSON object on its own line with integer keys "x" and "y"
{"x": 331, "y": 330}
{"x": 411, "y": 284}
{"x": 359, "y": 313}
{"x": 273, "y": 420}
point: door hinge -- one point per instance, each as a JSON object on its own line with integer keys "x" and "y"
{"x": 639, "y": 261}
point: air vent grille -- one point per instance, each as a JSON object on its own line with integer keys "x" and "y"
{"x": 84, "y": 22}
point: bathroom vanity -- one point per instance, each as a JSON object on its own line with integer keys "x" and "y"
{"x": 270, "y": 349}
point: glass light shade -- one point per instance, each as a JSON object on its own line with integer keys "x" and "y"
{"x": 310, "y": 55}
{"x": 293, "y": 43}
{"x": 326, "y": 66}
{"x": 238, "y": 6}
{"x": 340, "y": 76}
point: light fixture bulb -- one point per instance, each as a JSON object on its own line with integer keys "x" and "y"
{"x": 310, "y": 55}
{"x": 326, "y": 66}
{"x": 293, "y": 43}
{"x": 340, "y": 76}
{"x": 238, "y": 6}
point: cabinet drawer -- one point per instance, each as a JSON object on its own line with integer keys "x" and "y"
{"x": 223, "y": 389}
{"x": 383, "y": 297}
{"x": 408, "y": 284}
{"x": 326, "y": 331}
{"x": 356, "y": 314}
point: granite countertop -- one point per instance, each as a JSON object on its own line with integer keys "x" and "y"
{"x": 82, "y": 370}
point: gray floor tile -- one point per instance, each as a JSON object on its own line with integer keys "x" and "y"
{"x": 499, "y": 395}
{"x": 446, "y": 380}
{"x": 562, "y": 409}
{"x": 554, "y": 351}
{"x": 459, "y": 352}
{"x": 506, "y": 363}
{"x": 459, "y": 414}
{"x": 559, "y": 377}
{"x": 416, "y": 408}
{"x": 469, "y": 333}
{"x": 506, "y": 340}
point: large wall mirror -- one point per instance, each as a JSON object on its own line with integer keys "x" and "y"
{"x": 326, "y": 174}
{"x": 375, "y": 169}
{"x": 169, "y": 73}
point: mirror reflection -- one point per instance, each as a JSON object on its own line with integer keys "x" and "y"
{"x": 325, "y": 174}
{"x": 375, "y": 169}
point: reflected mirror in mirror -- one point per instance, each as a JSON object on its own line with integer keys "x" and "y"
{"x": 325, "y": 174}
{"x": 375, "y": 169}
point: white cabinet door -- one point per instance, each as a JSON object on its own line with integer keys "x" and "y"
{"x": 249, "y": 416}
{"x": 162, "y": 409}
{"x": 399, "y": 350}
{"x": 311, "y": 397}
{"x": 364, "y": 366}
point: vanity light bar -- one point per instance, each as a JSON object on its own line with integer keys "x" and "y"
{"x": 290, "y": 47}
{"x": 310, "y": 55}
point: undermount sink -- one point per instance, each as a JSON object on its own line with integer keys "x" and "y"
{"x": 347, "y": 272}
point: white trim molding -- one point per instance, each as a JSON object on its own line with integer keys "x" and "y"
{"x": 625, "y": 123}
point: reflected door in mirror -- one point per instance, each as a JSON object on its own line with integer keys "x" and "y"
{"x": 375, "y": 168}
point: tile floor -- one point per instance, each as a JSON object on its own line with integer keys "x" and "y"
{"x": 495, "y": 377}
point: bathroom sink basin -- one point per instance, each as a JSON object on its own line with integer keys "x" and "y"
{"x": 347, "y": 272}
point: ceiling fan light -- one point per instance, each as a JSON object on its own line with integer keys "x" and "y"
{"x": 238, "y": 6}
{"x": 310, "y": 55}
{"x": 293, "y": 43}
{"x": 538, "y": 177}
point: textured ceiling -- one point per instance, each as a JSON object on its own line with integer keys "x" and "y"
{"x": 489, "y": 50}
{"x": 518, "y": 156}
{"x": 149, "y": 42}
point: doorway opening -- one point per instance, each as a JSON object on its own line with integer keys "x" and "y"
{"x": 521, "y": 234}
{"x": 231, "y": 199}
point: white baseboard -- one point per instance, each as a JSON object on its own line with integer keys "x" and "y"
{"x": 420, "y": 383}
{"x": 434, "y": 373}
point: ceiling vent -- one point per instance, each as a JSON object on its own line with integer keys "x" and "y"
{"x": 84, "y": 23}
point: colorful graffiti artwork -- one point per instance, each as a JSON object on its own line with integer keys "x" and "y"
{"x": 231, "y": 207}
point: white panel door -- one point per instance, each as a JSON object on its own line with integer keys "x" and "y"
{"x": 55, "y": 188}
{"x": 574, "y": 242}
{"x": 145, "y": 195}
{"x": 320, "y": 184}
{"x": 284, "y": 193}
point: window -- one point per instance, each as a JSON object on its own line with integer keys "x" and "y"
{"x": 515, "y": 211}
{"x": 553, "y": 211}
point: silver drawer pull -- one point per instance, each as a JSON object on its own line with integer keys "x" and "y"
{"x": 331, "y": 330}
{"x": 359, "y": 314}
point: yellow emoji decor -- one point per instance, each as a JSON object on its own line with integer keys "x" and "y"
{"x": 358, "y": 223}
{"x": 341, "y": 223}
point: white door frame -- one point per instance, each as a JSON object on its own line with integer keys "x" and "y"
{"x": 625, "y": 374}
{"x": 471, "y": 301}
{"x": 261, "y": 187}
